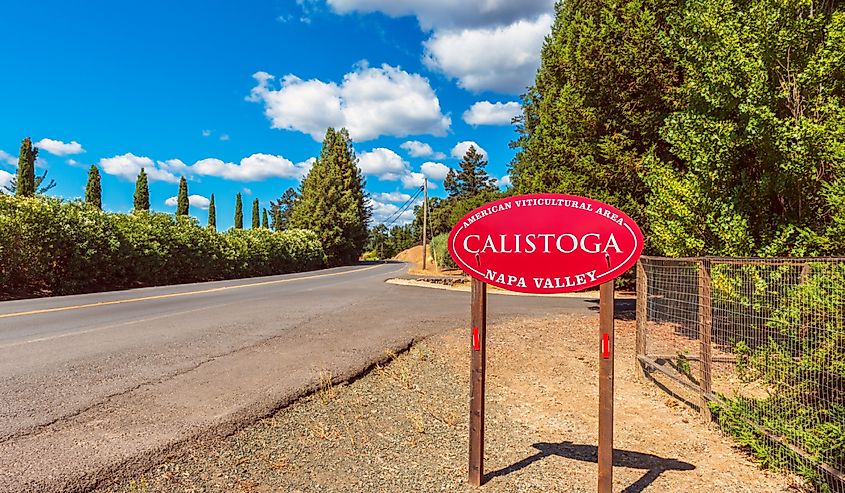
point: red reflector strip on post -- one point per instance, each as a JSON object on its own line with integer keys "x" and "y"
{"x": 476, "y": 343}
{"x": 605, "y": 346}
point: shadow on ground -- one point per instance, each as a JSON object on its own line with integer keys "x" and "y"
{"x": 654, "y": 465}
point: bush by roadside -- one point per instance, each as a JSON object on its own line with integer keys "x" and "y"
{"x": 53, "y": 247}
{"x": 441, "y": 252}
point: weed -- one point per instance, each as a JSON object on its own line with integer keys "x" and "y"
{"x": 326, "y": 391}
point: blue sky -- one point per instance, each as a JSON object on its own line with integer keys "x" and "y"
{"x": 236, "y": 96}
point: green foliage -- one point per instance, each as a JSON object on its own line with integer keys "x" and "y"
{"x": 182, "y": 202}
{"x": 26, "y": 169}
{"x": 93, "y": 190}
{"x": 265, "y": 222}
{"x": 719, "y": 126}
{"x": 256, "y": 218}
{"x": 440, "y": 248}
{"x": 801, "y": 364}
{"x": 384, "y": 243}
{"x": 280, "y": 209}
{"x": 332, "y": 200}
{"x": 472, "y": 178}
{"x": 761, "y": 133}
{"x": 601, "y": 94}
{"x": 239, "y": 212}
{"x": 56, "y": 248}
{"x": 212, "y": 214}
{"x": 142, "y": 192}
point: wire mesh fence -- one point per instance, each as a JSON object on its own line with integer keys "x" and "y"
{"x": 758, "y": 345}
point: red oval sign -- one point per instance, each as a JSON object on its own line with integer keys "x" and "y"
{"x": 545, "y": 243}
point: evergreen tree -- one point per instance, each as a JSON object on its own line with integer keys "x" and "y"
{"x": 12, "y": 187}
{"x": 93, "y": 190}
{"x": 212, "y": 214}
{"x": 265, "y": 222}
{"x": 472, "y": 178}
{"x": 182, "y": 201}
{"x": 280, "y": 209}
{"x": 333, "y": 201}
{"x": 605, "y": 85}
{"x": 239, "y": 212}
{"x": 25, "y": 185}
{"x": 256, "y": 220}
{"x": 142, "y": 192}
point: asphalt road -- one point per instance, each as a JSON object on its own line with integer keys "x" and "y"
{"x": 100, "y": 386}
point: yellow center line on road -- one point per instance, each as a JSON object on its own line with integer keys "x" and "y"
{"x": 176, "y": 295}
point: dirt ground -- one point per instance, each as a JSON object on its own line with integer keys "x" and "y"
{"x": 414, "y": 256}
{"x": 403, "y": 427}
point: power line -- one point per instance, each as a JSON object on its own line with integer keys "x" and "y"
{"x": 398, "y": 214}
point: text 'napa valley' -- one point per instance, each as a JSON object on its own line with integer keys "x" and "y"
{"x": 542, "y": 243}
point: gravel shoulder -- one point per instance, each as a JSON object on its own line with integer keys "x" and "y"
{"x": 403, "y": 427}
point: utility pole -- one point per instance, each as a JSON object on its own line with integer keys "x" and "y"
{"x": 425, "y": 220}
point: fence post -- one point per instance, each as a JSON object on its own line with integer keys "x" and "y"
{"x": 705, "y": 326}
{"x": 642, "y": 316}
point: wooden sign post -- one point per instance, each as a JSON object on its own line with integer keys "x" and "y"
{"x": 544, "y": 244}
{"x": 476, "y": 382}
{"x": 606, "y": 333}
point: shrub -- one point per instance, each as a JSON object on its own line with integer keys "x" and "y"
{"x": 53, "y": 247}
{"x": 441, "y": 252}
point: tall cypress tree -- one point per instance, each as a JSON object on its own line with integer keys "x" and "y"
{"x": 26, "y": 169}
{"x": 256, "y": 221}
{"x": 93, "y": 190}
{"x": 142, "y": 192}
{"x": 182, "y": 203}
{"x": 212, "y": 214}
{"x": 239, "y": 212}
{"x": 265, "y": 222}
{"x": 333, "y": 202}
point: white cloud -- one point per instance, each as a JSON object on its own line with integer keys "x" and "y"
{"x": 434, "y": 171}
{"x": 503, "y": 59}
{"x": 383, "y": 163}
{"x": 129, "y": 165}
{"x": 7, "y": 158}
{"x": 487, "y": 113}
{"x": 391, "y": 197}
{"x": 224, "y": 137}
{"x": 247, "y": 191}
{"x": 370, "y": 102}
{"x": 256, "y": 167}
{"x": 5, "y": 179}
{"x": 415, "y": 180}
{"x": 461, "y": 149}
{"x": 59, "y": 148}
{"x": 416, "y": 148}
{"x": 449, "y": 13}
{"x": 206, "y": 133}
{"x": 505, "y": 181}
{"x": 197, "y": 201}
{"x": 383, "y": 211}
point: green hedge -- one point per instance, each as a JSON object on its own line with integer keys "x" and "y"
{"x": 52, "y": 247}
{"x": 441, "y": 251}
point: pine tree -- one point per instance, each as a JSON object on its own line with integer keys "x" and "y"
{"x": 26, "y": 169}
{"x": 333, "y": 201}
{"x": 239, "y": 212}
{"x": 212, "y": 214}
{"x": 256, "y": 221}
{"x": 12, "y": 187}
{"x": 182, "y": 201}
{"x": 142, "y": 192}
{"x": 280, "y": 210}
{"x": 265, "y": 223}
{"x": 472, "y": 178}
{"x": 93, "y": 190}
